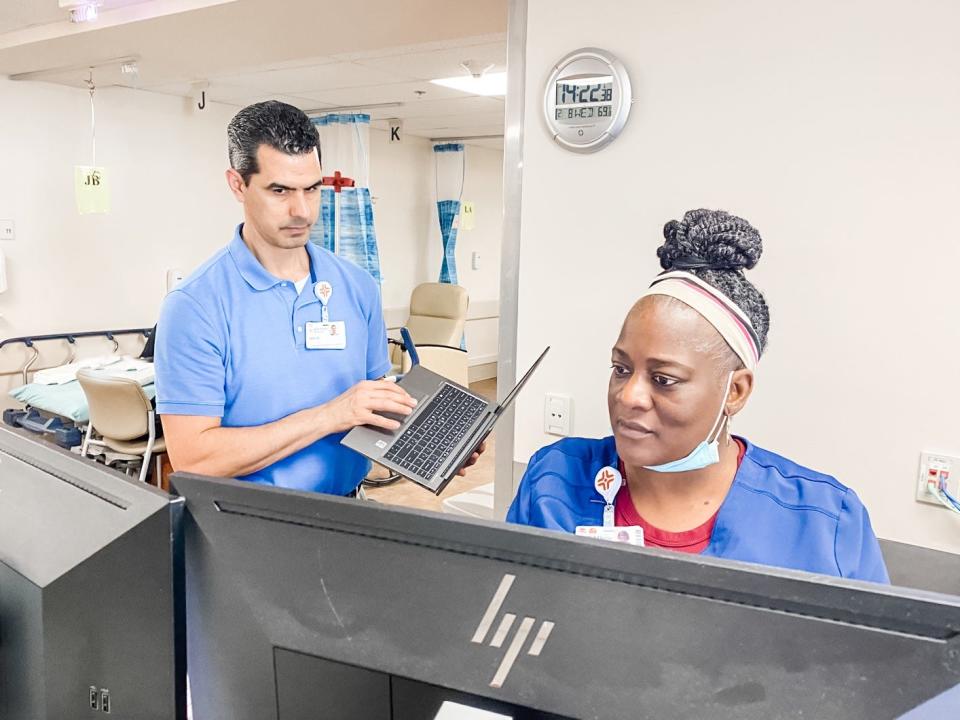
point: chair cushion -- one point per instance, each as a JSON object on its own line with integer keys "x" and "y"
{"x": 67, "y": 400}
{"x": 135, "y": 447}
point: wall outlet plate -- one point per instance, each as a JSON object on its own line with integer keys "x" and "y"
{"x": 557, "y": 414}
{"x": 7, "y": 230}
{"x": 928, "y": 461}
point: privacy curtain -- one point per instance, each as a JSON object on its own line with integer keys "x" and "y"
{"x": 450, "y": 173}
{"x": 345, "y": 226}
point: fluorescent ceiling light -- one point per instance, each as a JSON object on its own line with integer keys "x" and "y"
{"x": 81, "y": 11}
{"x": 84, "y": 13}
{"x": 486, "y": 84}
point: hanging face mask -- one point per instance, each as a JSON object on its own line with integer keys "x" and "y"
{"x": 705, "y": 454}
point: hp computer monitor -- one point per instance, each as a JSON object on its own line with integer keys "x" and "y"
{"x": 308, "y": 606}
{"x": 91, "y": 599}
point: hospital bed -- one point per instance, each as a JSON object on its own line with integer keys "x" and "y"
{"x": 58, "y": 407}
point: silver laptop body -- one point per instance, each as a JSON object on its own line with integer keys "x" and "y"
{"x": 444, "y": 430}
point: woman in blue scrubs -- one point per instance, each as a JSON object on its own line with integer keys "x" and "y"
{"x": 682, "y": 368}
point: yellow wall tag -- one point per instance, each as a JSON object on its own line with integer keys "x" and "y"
{"x": 468, "y": 217}
{"x": 91, "y": 189}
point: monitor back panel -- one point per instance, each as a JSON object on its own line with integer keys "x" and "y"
{"x": 91, "y": 589}
{"x": 534, "y": 619}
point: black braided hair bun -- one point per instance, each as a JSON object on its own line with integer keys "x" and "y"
{"x": 719, "y": 240}
{"x": 717, "y": 247}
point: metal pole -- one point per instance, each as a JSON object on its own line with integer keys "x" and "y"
{"x": 504, "y": 486}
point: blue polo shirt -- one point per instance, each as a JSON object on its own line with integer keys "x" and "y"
{"x": 775, "y": 513}
{"x": 231, "y": 344}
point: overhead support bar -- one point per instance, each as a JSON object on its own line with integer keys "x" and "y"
{"x": 341, "y": 108}
{"x": 37, "y": 74}
{"x": 495, "y": 136}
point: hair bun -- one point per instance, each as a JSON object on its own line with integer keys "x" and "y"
{"x": 710, "y": 239}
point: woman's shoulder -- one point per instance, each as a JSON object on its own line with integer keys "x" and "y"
{"x": 572, "y": 460}
{"x": 792, "y": 484}
{"x": 803, "y": 519}
{"x": 557, "y": 490}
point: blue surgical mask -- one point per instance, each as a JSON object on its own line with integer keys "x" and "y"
{"x": 705, "y": 454}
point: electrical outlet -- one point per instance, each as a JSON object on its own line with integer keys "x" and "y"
{"x": 105, "y": 701}
{"x": 933, "y": 466}
{"x": 94, "y": 698}
{"x": 7, "y": 230}
{"x": 557, "y": 414}
{"x": 174, "y": 278}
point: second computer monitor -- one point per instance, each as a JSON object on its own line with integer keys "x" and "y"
{"x": 91, "y": 602}
{"x": 308, "y": 606}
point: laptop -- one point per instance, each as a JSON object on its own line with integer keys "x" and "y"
{"x": 441, "y": 434}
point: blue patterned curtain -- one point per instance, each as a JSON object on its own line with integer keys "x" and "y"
{"x": 345, "y": 226}
{"x": 449, "y": 210}
{"x": 450, "y": 174}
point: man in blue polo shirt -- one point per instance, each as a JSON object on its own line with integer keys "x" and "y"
{"x": 273, "y": 348}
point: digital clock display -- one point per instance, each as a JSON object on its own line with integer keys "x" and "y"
{"x": 580, "y": 93}
{"x": 583, "y": 99}
{"x": 588, "y": 112}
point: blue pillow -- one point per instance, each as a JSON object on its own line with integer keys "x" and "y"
{"x": 65, "y": 400}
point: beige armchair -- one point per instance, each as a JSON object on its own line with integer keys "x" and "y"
{"x": 122, "y": 415}
{"x": 438, "y": 313}
{"x": 451, "y": 362}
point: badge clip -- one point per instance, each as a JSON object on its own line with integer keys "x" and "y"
{"x": 608, "y": 482}
{"x": 323, "y": 290}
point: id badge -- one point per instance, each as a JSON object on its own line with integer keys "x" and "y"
{"x": 631, "y": 534}
{"x": 326, "y": 335}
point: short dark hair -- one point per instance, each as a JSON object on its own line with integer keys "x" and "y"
{"x": 717, "y": 247}
{"x": 283, "y": 127}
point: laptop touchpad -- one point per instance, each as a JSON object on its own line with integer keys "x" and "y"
{"x": 420, "y": 398}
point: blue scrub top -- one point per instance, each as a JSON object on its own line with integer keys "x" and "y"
{"x": 776, "y": 512}
{"x": 231, "y": 344}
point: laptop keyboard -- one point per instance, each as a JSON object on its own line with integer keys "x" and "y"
{"x": 428, "y": 441}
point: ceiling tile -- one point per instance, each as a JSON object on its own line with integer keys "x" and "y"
{"x": 314, "y": 78}
{"x": 394, "y": 92}
{"x": 456, "y": 123}
{"x": 434, "y": 108}
{"x": 424, "y": 47}
{"x": 442, "y": 63}
{"x": 20, "y": 14}
{"x": 300, "y": 102}
{"x": 286, "y": 65}
{"x": 232, "y": 94}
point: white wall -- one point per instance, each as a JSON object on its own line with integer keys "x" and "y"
{"x": 171, "y": 208}
{"x": 833, "y": 127}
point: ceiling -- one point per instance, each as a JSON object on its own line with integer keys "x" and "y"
{"x": 20, "y": 14}
{"x": 312, "y": 54}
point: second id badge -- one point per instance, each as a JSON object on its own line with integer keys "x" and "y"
{"x": 326, "y": 335}
{"x": 630, "y": 534}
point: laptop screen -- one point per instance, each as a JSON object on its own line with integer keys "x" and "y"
{"x": 523, "y": 381}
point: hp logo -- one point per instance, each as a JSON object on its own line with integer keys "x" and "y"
{"x": 519, "y": 638}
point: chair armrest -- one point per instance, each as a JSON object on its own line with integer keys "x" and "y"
{"x": 450, "y": 362}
